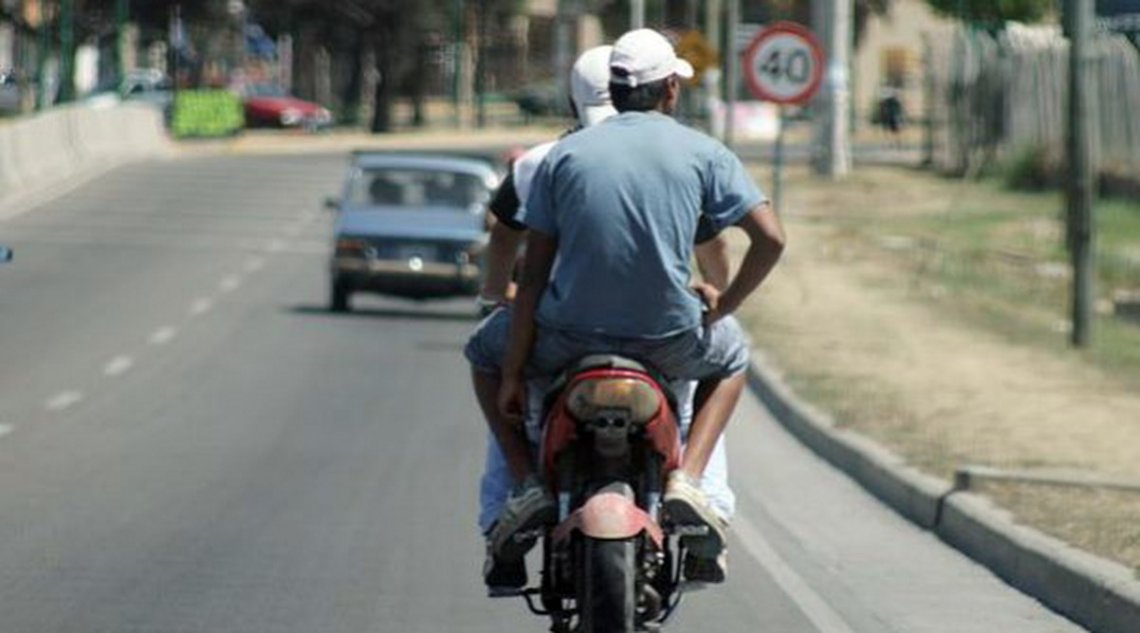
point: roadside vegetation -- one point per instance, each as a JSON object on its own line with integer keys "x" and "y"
{"x": 932, "y": 315}
{"x": 997, "y": 258}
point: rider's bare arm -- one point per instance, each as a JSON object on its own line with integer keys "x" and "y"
{"x": 712, "y": 261}
{"x": 540, "y": 251}
{"x": 502, "y": 251}
{"x": 766, "y": 244}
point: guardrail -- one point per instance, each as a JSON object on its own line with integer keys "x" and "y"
{"x": 54, "y": 146}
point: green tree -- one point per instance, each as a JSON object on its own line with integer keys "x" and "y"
{"x": 393, "y": 29}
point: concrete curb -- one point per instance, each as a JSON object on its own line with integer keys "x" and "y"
{"x": 1098, "y": 594}
{"x": 915, "y": 495}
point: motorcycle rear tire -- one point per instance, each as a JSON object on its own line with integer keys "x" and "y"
{"x": 608, "y": 600}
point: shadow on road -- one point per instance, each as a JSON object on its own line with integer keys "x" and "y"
{"x": 409, "y": 313}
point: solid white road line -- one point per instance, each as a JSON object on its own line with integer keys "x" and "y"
{"x": 6, "y": 429}
{"x": 163, "y": 335}
{"x": 813, "y": 606}
{"x": 118, "y": 365}
{"x": 230, "y": 284}
{"x": 63, "y": 400}
{"x": 201, "y": 306}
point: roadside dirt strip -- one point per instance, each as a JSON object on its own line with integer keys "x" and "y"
{"x": 1096, "y": 593}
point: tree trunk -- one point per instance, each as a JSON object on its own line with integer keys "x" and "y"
{"x": 419, "y": 87}
{"x": 386, "y": 53}
{"x": 350, "y": 97}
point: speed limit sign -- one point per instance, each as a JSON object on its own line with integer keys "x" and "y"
{"x": 783, "y": 64}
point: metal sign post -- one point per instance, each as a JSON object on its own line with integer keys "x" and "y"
{"x": 778, "y": 165}
{"x": 783, "y": 65}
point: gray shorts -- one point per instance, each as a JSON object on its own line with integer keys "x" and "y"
{"x": 718, "y": 351}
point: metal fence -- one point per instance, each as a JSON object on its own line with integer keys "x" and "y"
{"x": 992, "y": 97}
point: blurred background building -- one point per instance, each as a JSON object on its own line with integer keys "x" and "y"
{"x": 388, "y": 64}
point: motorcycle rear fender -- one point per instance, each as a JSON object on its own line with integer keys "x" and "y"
{"x": 560, "y": 430}
{"x": 611, "y": 516}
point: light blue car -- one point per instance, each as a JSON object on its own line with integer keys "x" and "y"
{"x": 410, "y": 225}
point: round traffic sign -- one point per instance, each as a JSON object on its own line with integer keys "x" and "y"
{"x": 783, "y": 64}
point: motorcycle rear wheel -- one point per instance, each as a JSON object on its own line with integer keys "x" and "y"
{"x": 607, "y": 600}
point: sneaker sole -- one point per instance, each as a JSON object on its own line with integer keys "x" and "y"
{"x": 513, "y": 549}
{"x": 683, "y": 512}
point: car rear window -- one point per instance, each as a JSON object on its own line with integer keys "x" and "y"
{"x": 418, "y": 188}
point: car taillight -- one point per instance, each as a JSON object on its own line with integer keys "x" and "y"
{"x": 346, "y": 247}
{"x": 634, "y": 399}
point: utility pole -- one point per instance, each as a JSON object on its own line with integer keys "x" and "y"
{"x": 481, "y": 67}
{"x": 835, "y": 161}
{"x": 564, "y": 27}
{"x": 1080, "y": 180}
{"x": 66, "y": 51}
{"x": 928, "y": 99}
{"x": 122, "y": 15}
{"x": 176, "y": 41}
{"x": 457, "y": 61}
{"x": 43, "y": 51}
{"x": 636, "y": 14}
{"x": 713, "y": 16}
{"x": 731, "y": 71}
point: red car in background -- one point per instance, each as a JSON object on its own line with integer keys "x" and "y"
{"x": 268, "y": 105}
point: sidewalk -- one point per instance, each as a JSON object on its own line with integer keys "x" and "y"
{"x": 895, "y": 352}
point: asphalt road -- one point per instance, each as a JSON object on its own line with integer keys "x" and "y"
{"x": 189, "y": 442}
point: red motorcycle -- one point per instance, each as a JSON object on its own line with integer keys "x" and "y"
{"x": 610, "y": 439}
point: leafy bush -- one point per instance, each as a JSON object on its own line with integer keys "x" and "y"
{"x": 1032, "y": 169}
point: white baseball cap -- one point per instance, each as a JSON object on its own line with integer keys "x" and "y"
{"x": 644, "y": 56}
{"x": 590, "y": 85}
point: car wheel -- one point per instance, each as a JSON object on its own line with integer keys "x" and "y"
{"x": 339, "y": 296}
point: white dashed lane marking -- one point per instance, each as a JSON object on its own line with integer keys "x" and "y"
{"x": 276, "y": 246}
{"x": 63, "y": 400}
{"x": 230, "y": 284}
{"x": 163, "y": 335}
{"x": 118, "y": 365}
{"x": 201, "y": 306}
{"x": 254, "y": 264}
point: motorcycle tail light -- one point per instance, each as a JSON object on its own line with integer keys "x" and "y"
{"x": 635, "y": 399}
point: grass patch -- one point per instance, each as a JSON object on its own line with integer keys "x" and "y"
{"x": 1105, "y": 522}
{"x": 999, "y": 258}
{"x": 931, "y": 315}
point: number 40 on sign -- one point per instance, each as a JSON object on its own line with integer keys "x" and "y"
{"x": 783, "y": 64}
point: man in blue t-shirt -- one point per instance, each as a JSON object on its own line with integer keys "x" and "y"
{"x": 613, "y": 212}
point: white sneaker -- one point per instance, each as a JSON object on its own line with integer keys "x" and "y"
{"x": 685, "y": 504}
{"x": 530, "y": 506}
